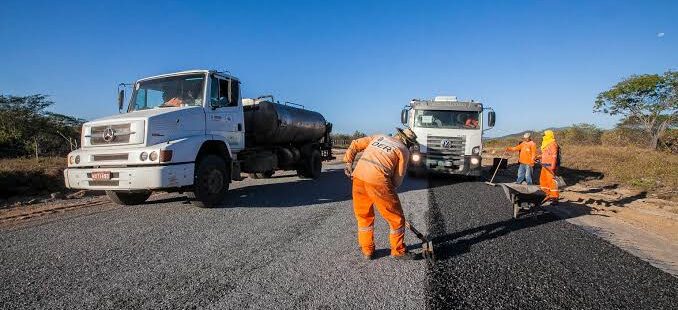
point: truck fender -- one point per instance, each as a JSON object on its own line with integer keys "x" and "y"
{"x": 217, "y": 147}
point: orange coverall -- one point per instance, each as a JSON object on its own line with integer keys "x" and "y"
{"x": 528, "y": 151}
{"x": 379, "y": 172}
{"x": 547, "y": 180}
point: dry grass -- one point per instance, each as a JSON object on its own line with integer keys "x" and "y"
{"x": 648, "y": 170}
{"x": 28, "y": 176}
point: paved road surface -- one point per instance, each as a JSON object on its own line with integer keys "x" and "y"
{"x": 489, "y": 261}
{"x": 290, "y": 243}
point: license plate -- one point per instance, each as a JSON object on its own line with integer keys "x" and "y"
{"x": 101, "y": 175}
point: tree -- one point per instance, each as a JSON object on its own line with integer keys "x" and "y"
{"x": 648, "y": 100}
{"x": 358, "y": 134}
{"x": 26, "y": 128}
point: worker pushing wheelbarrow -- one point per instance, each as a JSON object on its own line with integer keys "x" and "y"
{"x": 524, "y": 197}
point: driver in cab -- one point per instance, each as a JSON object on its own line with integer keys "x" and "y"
{"x": 178, "y": 100}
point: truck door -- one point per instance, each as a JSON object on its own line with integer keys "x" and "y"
{"x": 224, "y": 116}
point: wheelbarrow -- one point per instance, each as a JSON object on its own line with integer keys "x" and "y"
{"x": 523, "y": 197}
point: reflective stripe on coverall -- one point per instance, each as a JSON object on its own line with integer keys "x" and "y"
{"x": 379, "y": 172}
{"x": 547, "y": 178}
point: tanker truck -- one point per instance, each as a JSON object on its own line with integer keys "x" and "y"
{"x": 190, "y": 132}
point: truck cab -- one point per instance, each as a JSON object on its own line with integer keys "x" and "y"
{"x": 449, "y": 133}
{"x": 186, "y": 131}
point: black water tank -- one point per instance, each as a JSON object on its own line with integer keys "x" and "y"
{"x": 268, "y": 123}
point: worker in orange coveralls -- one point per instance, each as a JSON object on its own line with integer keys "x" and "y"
{"x": 379, "y": 172}
{"x": 550, "y": 160}
{"x": 527, "y": 153}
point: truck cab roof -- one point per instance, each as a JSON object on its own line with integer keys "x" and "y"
{"x": 204, "y": 71}
{"x": 441, "y": 104}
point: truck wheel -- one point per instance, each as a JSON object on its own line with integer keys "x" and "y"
{"x": 128, "y": 198}
{"x": 211, "y": 182}
{"x": 312, "y": 166}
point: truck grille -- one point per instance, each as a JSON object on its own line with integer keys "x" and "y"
{"x": 446, "y": 149}
{"x": 110, "y": 134}
{"x": 107, "y": 157}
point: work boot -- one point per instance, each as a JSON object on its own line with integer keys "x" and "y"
{"x": 407, "y": 256}
{"x": 368, "y": 256}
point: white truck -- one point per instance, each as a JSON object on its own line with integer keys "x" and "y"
{"x": 450, "y": 135}
{"x": 190, "y": 132}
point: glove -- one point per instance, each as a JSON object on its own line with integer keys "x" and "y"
{"x": 348, "y": 170}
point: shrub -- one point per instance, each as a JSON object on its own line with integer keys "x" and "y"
{"x": 580, "y": 134}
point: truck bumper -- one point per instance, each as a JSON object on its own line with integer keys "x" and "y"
{"x": 132, "y": 178}
{"x": 468, "y": 167}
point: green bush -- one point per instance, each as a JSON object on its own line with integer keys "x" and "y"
{"x": 580, "y": 134}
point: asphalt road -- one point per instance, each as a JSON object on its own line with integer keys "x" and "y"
{"x": 290, "y": 243}
{"x": 487, "y": 260}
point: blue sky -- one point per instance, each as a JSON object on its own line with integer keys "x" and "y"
{"x": 537, "y": 63}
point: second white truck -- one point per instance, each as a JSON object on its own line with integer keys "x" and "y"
{"x": 190, "y": 132}
{"x": 450, "y": 135}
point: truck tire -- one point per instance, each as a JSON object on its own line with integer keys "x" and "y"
{"x": 211, "y": 182}
{"x": 128, "y": 198}
{"x": 312, "y": 166}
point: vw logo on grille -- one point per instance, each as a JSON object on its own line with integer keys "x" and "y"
{"x": 108, "y": 134}
{"x": 446, "y": 143}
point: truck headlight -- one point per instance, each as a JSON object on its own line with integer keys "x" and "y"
{"x": 476, "y": 150}
{"x": 475, "y": 161}
{"x": 77, "y": 159}
{"x": 153, "y": 156}
{"x": 143, "y": 156}
{"x": 416, "y": 157}
{"x": 71, "y": 160}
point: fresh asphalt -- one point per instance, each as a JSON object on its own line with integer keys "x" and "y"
{"x": 487, "y": 260}
{"x": 291, "y": 243}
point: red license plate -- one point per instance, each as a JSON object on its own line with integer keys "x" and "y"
{"x": 101, "y": 175}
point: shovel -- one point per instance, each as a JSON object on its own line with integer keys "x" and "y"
{"x": 426, "y": 245}
{"x": 496, "y": 169}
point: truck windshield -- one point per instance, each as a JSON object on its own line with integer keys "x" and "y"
{"x": 175, "y": 91}
{"x": 446, "y": 119}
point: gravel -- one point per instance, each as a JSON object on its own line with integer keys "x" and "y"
{"x": 276, "y": 243}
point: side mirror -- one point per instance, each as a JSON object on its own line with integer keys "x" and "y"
{"x": 403, "y": 116}
{"x": 491, "y": 118}
{"x": 121, "y": 99}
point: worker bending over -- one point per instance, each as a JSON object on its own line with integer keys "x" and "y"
{"x": 527, "y": 153}
{"x": 379, "y": 172}
{"x": 550, "y": 160}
